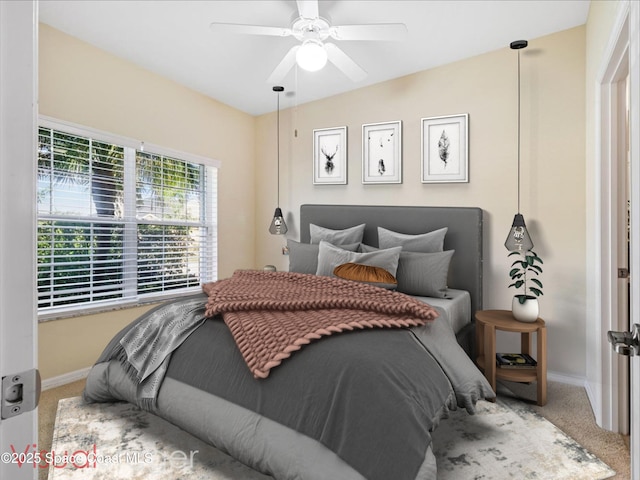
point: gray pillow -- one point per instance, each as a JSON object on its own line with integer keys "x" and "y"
{"x": 330, "y": 256}
{"x": 303, "y": 257}
{"x": 422, "y": 274}
{"x": 336, "y": 237}
{"x": 425, "y": 242}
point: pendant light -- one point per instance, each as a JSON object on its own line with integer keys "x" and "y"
{"x": 518, "y": 239}
{"x": 278, "y": 227}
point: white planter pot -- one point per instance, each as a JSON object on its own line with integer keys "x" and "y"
{"x": 527, "y": 311}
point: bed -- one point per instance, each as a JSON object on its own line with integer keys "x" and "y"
{"x": 357, "y": 402}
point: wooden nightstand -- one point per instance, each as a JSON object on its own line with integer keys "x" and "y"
{"x": 487, "y": 322}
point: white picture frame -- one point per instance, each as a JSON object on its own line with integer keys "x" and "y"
{"x": 330, "y": 156}
{"x": 382, "y": 152}
{"x": 445, "y": 149}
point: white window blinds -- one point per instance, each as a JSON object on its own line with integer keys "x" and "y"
{"x": 117, "y": 225}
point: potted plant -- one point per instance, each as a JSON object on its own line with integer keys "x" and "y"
{"x": 523, "y": 275}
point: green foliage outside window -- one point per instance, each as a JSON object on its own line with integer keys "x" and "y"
{"x": 90, "y": 236}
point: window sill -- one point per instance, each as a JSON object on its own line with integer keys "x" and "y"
{"x": 83, "y": 310}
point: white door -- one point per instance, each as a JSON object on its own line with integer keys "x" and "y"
{"x": 18, "y": 323}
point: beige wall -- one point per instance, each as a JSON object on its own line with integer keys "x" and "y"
{"x": 553, "y": 168}
{"x": 82, "y": 84}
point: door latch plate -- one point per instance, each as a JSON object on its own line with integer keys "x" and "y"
{"x": 20, "y": 393}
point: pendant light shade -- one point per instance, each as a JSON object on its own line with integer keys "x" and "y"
{"x": 278, "y": 226}
{"x": 518, "y": 239}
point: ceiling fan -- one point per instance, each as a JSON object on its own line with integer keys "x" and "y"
{"x": 312, "y": 31}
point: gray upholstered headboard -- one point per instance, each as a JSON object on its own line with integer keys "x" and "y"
{"x": 464, "y": 234}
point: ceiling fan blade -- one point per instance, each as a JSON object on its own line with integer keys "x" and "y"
{"x": 308, "y": 8}
{"x": 237, "y": 28}
{"x": 377, "y": 31}
{"x": 344, "y": 62}
{"x": 284, "y": 66}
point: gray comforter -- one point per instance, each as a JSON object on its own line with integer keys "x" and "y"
{"x": 371, "y": 397}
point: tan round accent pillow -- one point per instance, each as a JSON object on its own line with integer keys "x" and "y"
{"x": 366, "y": 274}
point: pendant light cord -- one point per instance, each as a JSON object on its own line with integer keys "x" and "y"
{"x": 278, "y": 146}
{"x": 518, "y": 131}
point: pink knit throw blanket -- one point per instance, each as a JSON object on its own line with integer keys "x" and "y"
{"x": 273, "y": 314}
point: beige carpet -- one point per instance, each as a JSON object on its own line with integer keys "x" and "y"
{"x": 568, "y": 408}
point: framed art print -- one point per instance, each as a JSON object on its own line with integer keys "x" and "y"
{"x": 445, "y": 149}
{"x": 382, "y": 153}
{"x": 330, "y": 156}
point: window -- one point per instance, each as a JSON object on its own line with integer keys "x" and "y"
{"x": 118, "y": 225}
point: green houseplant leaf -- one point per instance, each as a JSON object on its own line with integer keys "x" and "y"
{"x": 523, "y": 275}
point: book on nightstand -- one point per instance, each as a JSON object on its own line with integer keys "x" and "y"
{"x": 515, "y": 360}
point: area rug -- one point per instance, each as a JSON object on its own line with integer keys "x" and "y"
{"x": 503, "y": 440}
{"x": 508, "y": 440}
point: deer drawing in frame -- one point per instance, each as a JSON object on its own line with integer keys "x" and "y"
{"x": 328, "y": 163}
{"x": 330, "y": 155}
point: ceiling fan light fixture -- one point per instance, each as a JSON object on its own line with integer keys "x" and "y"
{"x": 311, "y": 56}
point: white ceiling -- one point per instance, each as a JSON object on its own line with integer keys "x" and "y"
{"x": 173, "y": 39}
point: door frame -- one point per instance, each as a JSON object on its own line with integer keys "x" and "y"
{"x": 604, "y": 368}
{"x": 634, "y": 152}
{"x": 18, "y": 316}
{"x": 623, "y": 247}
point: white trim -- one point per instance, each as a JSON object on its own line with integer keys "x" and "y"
{"x": 65, "y": 378}
{"x": 18, "y": 115}
{"x": 56, "y": 313}
{"x": 619, "y": 25}
{"x": 602, "y": 368}
{"x": 81, "y": 130}
{"x": 634, "y": 151}
{"x": 591, "y": 395}
{"x": 567, "y": 379}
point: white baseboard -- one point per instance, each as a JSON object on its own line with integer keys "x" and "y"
{"x": 65, "y": 378}
{"x": 568, "y": 379}
{"x": 593, "y": 400}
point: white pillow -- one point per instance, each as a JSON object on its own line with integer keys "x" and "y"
{"x": 330, "y": 256}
